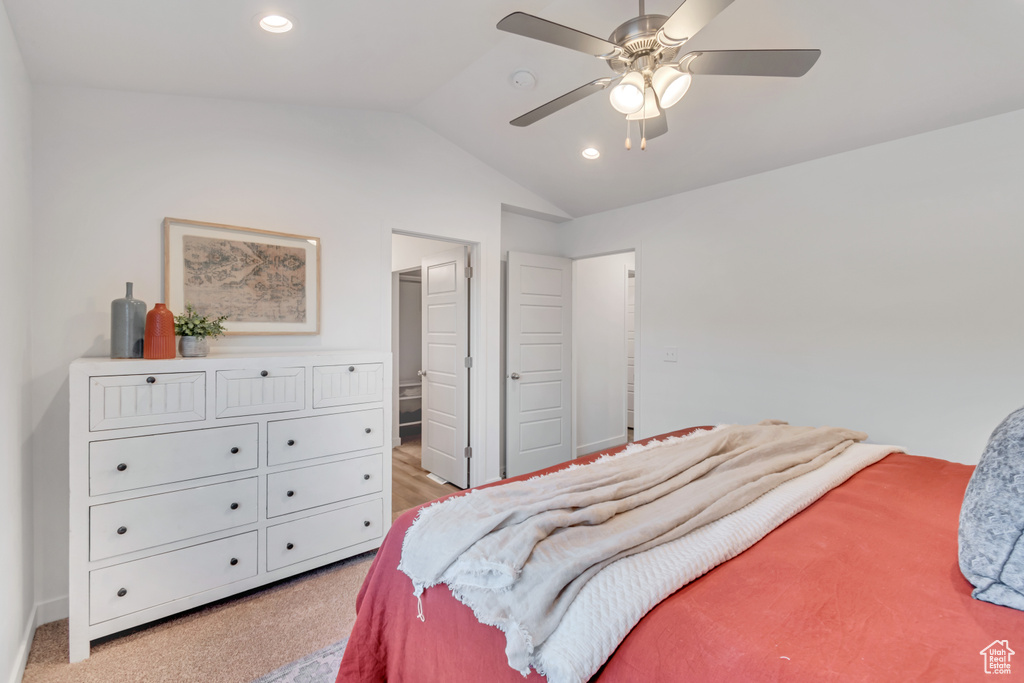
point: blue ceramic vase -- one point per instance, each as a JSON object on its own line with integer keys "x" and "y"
{"x": 127, "y": 325}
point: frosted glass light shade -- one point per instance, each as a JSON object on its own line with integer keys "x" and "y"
{"x": 670, "y": 84}
{"x": 628, "y": 96}
{"x": 650, "y": 109}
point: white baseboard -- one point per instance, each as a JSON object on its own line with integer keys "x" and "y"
{"x": 602, "y": 445}
{"x": 26, "y": 644}
{"x": 52, "y": 610}
{"x": 42, "y": 613}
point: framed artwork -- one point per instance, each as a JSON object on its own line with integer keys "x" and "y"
{"x": 265, "y": 282}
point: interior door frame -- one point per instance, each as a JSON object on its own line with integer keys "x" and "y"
{"x": 479, "y": 372}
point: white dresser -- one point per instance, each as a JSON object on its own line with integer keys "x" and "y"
{"x": 193, "y": 479}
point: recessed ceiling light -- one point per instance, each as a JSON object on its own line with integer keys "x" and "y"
{"x": 275, "y": 23}
{"x": 590, "y": 153}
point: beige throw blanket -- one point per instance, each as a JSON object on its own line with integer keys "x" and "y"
{"x": 518, "y": 554}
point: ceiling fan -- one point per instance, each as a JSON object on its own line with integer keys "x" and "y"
{"x": 645, "y": 53}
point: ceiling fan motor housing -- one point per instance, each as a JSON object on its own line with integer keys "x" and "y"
{"x": 641, "y": 49}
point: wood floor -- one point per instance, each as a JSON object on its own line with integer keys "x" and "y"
{"x": 410, "y": 485}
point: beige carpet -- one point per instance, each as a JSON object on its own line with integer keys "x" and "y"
{"x": 232, "y": 641}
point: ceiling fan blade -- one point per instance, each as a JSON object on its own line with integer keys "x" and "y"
{"x": 791, "y": 63}
{"x": 530, "y": 26}
{"x": 656, "y": 126}
{"x": 562, "y": 102}
{"x": 689, "y": 18}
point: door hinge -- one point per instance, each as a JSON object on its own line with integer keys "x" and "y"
{"x": 469, "y": 452}
{"x": 469, "y": 272}
{"x": 469, "y": 361}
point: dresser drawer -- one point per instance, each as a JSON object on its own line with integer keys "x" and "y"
{"x": 342, "y": 385}
{"x": 136, "y": 462}
{"x": 128, "y": 525}
{"x": 303, "y": 539}
{"x": 259, "y": 391}
{"x": 121, "y": 401}
{"x": 315, "y": 437}
{"x": 133, "y": 586}
{"x": 308, "y": 487}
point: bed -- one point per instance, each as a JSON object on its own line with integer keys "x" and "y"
{"x": 861, "y": 585}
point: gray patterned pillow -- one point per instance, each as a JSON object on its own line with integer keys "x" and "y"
{"x": 992, "y": 518}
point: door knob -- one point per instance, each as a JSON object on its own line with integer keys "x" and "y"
{"x": 514, "y": 375}
{"x": 421, "y": 373}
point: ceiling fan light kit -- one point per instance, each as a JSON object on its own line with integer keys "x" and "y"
{"x": 644, "y": 52}
{"x": 670, "y": 84}
{"x": 628, "y": 96}
{"x": 649, "y": 110}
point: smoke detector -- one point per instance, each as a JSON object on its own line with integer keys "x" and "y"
{"x": 523, "y": 80}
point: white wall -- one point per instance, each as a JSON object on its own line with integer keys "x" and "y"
{"x": 408, "y": 251}
{"x": 531, "y": 235}
{"x": 16, "y": 559}
{"x": 599, "y": 348}
{"x": 880, "y": 289}
{"x": 109, "y": 166}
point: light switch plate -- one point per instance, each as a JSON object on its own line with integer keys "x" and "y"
{"x": 671, "y": 354}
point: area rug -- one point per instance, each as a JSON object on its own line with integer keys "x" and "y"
{"x": 320, "y": 667}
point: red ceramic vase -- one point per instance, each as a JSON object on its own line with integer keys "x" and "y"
{"x": 159, "y": 340}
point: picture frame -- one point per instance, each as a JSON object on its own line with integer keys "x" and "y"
{"x": 266, "y": 282}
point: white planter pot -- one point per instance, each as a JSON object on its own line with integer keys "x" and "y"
{"x": 194, "y": 347}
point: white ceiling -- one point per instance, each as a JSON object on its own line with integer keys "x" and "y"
{"x": 888, "y": 69}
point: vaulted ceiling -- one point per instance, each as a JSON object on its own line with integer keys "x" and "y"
{"x": 887, "y": 70}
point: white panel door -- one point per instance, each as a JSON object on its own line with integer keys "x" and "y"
{"x": 445, "y": 402}
{"x": 539, "y": 363}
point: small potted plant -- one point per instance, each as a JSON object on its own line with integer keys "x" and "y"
{"x": 195, "y": 329}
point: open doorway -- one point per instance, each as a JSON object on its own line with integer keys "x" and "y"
{"x": 603, "y": 349}
{"x": 630, "y": 347}
{"x": 429, "y": 334}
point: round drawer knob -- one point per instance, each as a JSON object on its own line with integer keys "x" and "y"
{"x": 122, "y": 467}
{"x": 264, "y": 373}
{"x": 234, "y": 561}
{"x": 290, "y": 494}
{"x": 366, "y": 477}
{"x": 122, "y": 530}
{"x": 123, "y": 592}
{"x": 368, "y": 430}
{"x": 234, "y": 506}
{"x": 291, "y": 442}
{"x": 151, "y": 380}
{"x": 234, "y": 449}
{"x": 366, "y": 522}
{"x": 290, "y": 546}
{"x": 351, "y": 368}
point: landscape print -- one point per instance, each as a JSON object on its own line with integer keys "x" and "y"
{"x": 247, "y": 281}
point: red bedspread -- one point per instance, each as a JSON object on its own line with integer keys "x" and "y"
{"x": 863, "y": 585}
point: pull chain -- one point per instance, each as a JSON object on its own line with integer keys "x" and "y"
{"x": 629, "y": 145}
